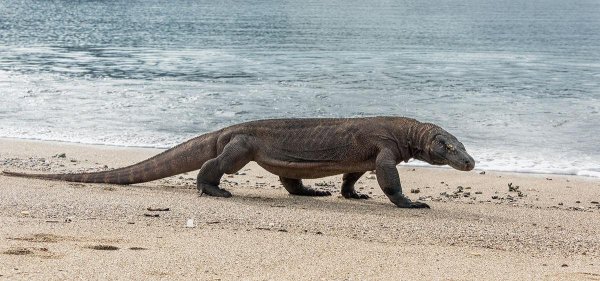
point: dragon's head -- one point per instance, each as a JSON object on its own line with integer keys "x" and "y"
{"x": 442, "y": 148}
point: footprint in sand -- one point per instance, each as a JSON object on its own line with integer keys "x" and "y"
{"x": 18, "y": 251}
{"x": 41, "y": 238}
{"x": 113, "y": 248}
{"x": 51, "y": 238}
{"x": 32, "y": 251}
{"x": 103, "y": 247}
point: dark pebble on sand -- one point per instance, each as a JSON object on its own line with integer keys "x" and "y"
{"x": 415, "y": 190}
{"x": 564, "y": 265}
{"x": 151, "y": 215}
{"x": 512, "y": 188}
{"x": 594, "y": 202}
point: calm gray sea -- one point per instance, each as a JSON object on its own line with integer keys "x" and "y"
{"x": 517, "y": 80}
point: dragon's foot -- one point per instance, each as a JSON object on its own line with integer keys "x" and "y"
{"x": 295, "y": 187}
{"x": 308, "y": 191}
{"x": 403, "y": 202}
{"x": 212, "y": 190}
{"x": 355, "y": 195}
{"x": 417, "y": 205}
{"x": 321, "y": 193}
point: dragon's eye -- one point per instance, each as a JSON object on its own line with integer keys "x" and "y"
{"x": 450, "y": 147}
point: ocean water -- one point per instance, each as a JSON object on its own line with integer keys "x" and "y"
{"x": 518, "y": 81}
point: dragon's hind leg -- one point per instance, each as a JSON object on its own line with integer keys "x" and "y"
{"x": 348, "y": 190}
{"x": 236, "y": 154}
{"x": 295, "y": 187}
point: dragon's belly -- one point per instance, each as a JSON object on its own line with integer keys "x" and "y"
{"x": 297, "y": 170}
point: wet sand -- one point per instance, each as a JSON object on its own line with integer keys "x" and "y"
{"x": 541, "y": 227}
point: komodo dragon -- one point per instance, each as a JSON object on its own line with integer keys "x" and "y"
{"x": 296, "y": 149}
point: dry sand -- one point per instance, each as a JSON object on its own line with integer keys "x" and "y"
{"x": 547, "y": 229}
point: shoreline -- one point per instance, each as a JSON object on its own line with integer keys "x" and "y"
{"x": 544, "y": 229}
{"x": 419, "y": 166}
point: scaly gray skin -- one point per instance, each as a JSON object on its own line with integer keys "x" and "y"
{"x": 296, "y": 149}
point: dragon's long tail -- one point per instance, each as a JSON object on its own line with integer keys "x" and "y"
{"x": 182, "y": 158}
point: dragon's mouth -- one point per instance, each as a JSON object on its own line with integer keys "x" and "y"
{"x": 464, "y": 163}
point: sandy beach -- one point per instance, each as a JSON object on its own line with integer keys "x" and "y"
{"x": 483, "y": 225}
